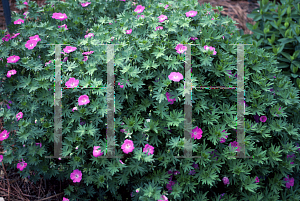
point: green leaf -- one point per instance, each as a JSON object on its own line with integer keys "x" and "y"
{"x": 175, "y": 118}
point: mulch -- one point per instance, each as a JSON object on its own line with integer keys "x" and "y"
{"x": 13, "y": 187}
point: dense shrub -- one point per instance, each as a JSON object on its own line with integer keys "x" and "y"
{"x": 149, "y": 102}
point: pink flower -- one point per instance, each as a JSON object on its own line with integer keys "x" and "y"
{"x": 210, "y": 49}
{"x": 193, "y": 38}
{"x": 128, "y": 31}
{"x": 223, "y": 139}
{"x": 21, "y": 165}
{"x": 191, "y": 13}
{"x": 223, "y": 37}
{"x": 13, "y": 59}
{"x": 142, "y": 16}
{"x": 263, "y": 118}
{"x": 139, "y": 9}
{"x": 1, "y": 158}
{"x": 35, "y": 38}
{"x": 10, "y": 73}
{"x": 235, "y": 145}
{"x": 76, "y": 175}
{"x": 87, "y": 53}
{"x": 180, "y": 48}
{"x": 38, "y": 144}
{"x": 6, "y": 38}
{"x": 19, "y": 21}
{"x": 97, "y": 151}
{"x": 159, "y": 27}
{"x": 290, "y": 182}
{"x": 89, "y": 35}
{"x": 162, "y": 18}
{"x": 59, "y": 16}
{"x": 137, "y": 190}
{"x": 166, "y": 6}
{"x": 69, "y": 49}
{"x": 85, "y": 58}
{"x": 30, "y": 44}
{"x": 175, "y": 76}
{"x": 83, "y": 100}
{"x": 127, "y": 146}
{"x": 65, "y": 199}
{"x": 148, "y": 148}
{"x": 121, "y": 162}
{"x": 26, "y": 13}
{"x": 25, "y": 3}
{"x": 85, "y": 4}
{"x": 196, "y": 133}
{"x": 74, "y": 108}
{"x": 170, "y": 100}
{"x": 63, "y": 26}
{"x": 256, "y": 180}
{"x": 121, "y": 84}
{"x": 225, "y": 180}
{"x": 212, "y": 18}
{"x": 164, "y": 198}
{"x": 19, "y": 115}
{"x": 14, "y": 36}
{"x": 65, "y": 59}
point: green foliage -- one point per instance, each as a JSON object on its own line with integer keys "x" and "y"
{"x": 141, "y": 58}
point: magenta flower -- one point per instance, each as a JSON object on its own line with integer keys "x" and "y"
{"x": 85, "y": 4}
{"x": 69, "y": 49}
{"x": 212, "y": 49}
{"x": 21, "y": 165}
{"x": 65, "y": 199}
{"x": 235, "y": 145}
{"x": 19, "y": 21}
{"x": 193, "y": 38}
{"x": 142, "y": 16}
{"x": 166, "y": 6}
{"x": 159, "y": 27}
{"x": 290, "y": 182}
{"x": 170, "y": 100}
{"x": 30, "y": 44}
{"x": 175, "y": 76}
{"x": 65, "y": 59}
{"x": 163, "y": 198}
{"x": 37, "y": 144}
{"x": 170, "y": 184}
{"x": 1, "y": 158}
{"x": 121, "y": 162}
{"x": 89, "y": 35}
{"x": 19, "y": 115}
{"x": 223, "y": 139}
{"x": 196, "y": 133}
{"x": 76, "y": 175}
{"x": 6, "y": 38}
{"x": 35, "y": 38}
{"x": 25, "y": 3}
{"x": 222, "y": 195}
{"x": 256, "y": 180}
{"x": 263, "y": 118}
{"x": 148, "y": 148}
{"x": 87, "y": 53}
{"x": 63, "y": 26}
{"x": 139, "y": 9}
{"x": 127, "y": 146}
{"x": 223, "y": 37}
{"x": 85, "y": 58}
{"x": 162, "y": 18}
{"x": 97, "y": 151}
{"x": 14, "y": 36}
{"x": 26, "y": 13}
{"x": 225, "y": 180}
{"x": 180, "y": 48}
{"x": 10, "y": 73}
{"x": 4, "y": 135}
{"x": 83, "y": 100}
{"x": 59, "y": 16}
{"x": 13, "y": 59}
{"x": 191, "y": 13}
{"x": 128, "y": 31}
{"x": 121, "y": 84}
